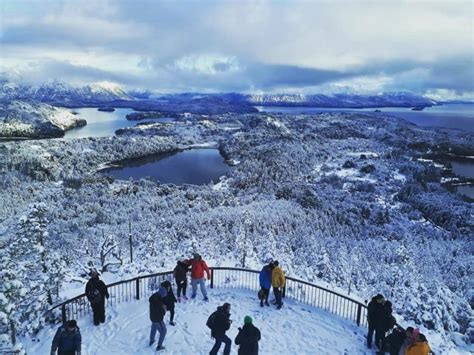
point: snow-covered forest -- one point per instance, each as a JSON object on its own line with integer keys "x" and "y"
{"x": 337, "y": 197}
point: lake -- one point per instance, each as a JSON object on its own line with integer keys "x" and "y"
{"x": 194, "y": 166}
{"x": 448, "y": 115}
{"x": 464, "y": 168}
{"x": 103, "y": 124}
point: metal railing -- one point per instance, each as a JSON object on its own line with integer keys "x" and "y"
{"x": 224, "y": 277}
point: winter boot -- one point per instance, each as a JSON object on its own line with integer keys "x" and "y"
{"x": 193, "y": 296}
{"x": 206, "y": 299}
{"x": 160, "y": 347}
{"x": 179, "y": 298}
{"x": 172, "y": 323}
{"x": 185, "y": 297}
{"x": 261, "y": 303}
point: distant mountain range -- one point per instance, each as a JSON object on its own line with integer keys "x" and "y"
{"x": 62, "y": 94}
{"x": 342, "y": 100}
{"x": 105, "y": 94}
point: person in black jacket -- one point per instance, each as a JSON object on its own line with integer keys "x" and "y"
{"x": 67, "y": 339}
{"x": 96, "y": 292}
{"x": 169, "y": 300}
{"x": 157, "y": 312}
{"x": 179, "y": 273}
{"x": 376, "y": 315}
{"x": 248, "y": 338}
{"x": 220, "y": 325}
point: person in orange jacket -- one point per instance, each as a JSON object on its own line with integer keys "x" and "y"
{"x": 278, "y": 283}
{"x": 420, "y": 347}
{"x": 198, "y": 267}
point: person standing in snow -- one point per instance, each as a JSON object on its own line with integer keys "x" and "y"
{"x": 278, "y": 283}
{"x": 420, "y": 347}
{"x": 157, "y": 312}
{"x": 169, "y": 300}
{"x": 376, "y": 317}
{"x": 67, "y": 340}
{"x": 248, "y": 338}
{"x": 96, "y": 292}
{"x": 220, "y": 322}
{"x": 181, "y": 279}
{"x": 265, "y": 279}
{"x": 198, "y": 267}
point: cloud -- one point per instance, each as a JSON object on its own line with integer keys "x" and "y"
{"x": 245, "y": 45}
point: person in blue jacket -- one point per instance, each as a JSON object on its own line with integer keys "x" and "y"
{"x": 67, "y": 340}
{"x": 265, "y": 283}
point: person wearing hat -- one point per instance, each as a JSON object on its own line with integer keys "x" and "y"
{"x": 96, "y": 292}
{"x": 67, "y": 340}
{"x": 220, "y": 322}
{"x": 198, "y": 267}
{"x": 157, "y": 312}
{"x": 248, "y": 338}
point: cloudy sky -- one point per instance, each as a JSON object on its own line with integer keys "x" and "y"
{"x": 314, "y": 46}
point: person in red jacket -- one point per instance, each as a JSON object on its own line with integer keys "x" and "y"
{"x": 198, "y": 267}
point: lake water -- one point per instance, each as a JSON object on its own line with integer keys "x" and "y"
{"x": 103, "y": 124}
{"x": 464, "y": 168}
{"x": 448, "y": 115}
{"x": 194, "y": 166}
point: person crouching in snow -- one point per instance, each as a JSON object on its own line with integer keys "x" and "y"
{"x": 248, "y": 338}
{"x": 278, "y": 283}
{"x": 420, "y": 347}
{"x": 67, "y": 339}
{"x": 181, "y": 279}
{"x": 157, "y": 312}
{"x": 198, "y": 267}
{"x": 169, "y": 300}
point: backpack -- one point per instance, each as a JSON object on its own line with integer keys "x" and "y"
{"x": 211, "y": 321}
{"x": 94, "y": 296}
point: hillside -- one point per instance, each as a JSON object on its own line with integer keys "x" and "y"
{"x": 22, "y": 119}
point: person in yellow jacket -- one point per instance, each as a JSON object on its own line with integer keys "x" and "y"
{"x": 278, "y": 282}
{"x": 420, "y": 347}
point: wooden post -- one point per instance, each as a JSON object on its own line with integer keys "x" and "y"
{"x": 63, "y": 314}
{"x": 212, "y": 278}
{"x": 137, "y": 287}
{"x": 359, "y": 313}
{"x": 130, "y": 239}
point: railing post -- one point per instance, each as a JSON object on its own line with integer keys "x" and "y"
{"x": 63, "y": 314}
{"x": 283, "y": 292}
{"x": 359, "y": 313}
{"x": 212, "y": 278}
{"x": 137, "y": 287}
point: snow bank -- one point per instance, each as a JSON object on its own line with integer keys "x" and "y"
{"x": 296, "y": 329}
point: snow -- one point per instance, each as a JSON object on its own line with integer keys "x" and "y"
{"x": 295, "y": 329}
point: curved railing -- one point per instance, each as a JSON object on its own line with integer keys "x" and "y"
{"x": 224, "y": 277}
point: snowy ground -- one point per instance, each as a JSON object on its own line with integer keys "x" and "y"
{"x": 296, "y": 329}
